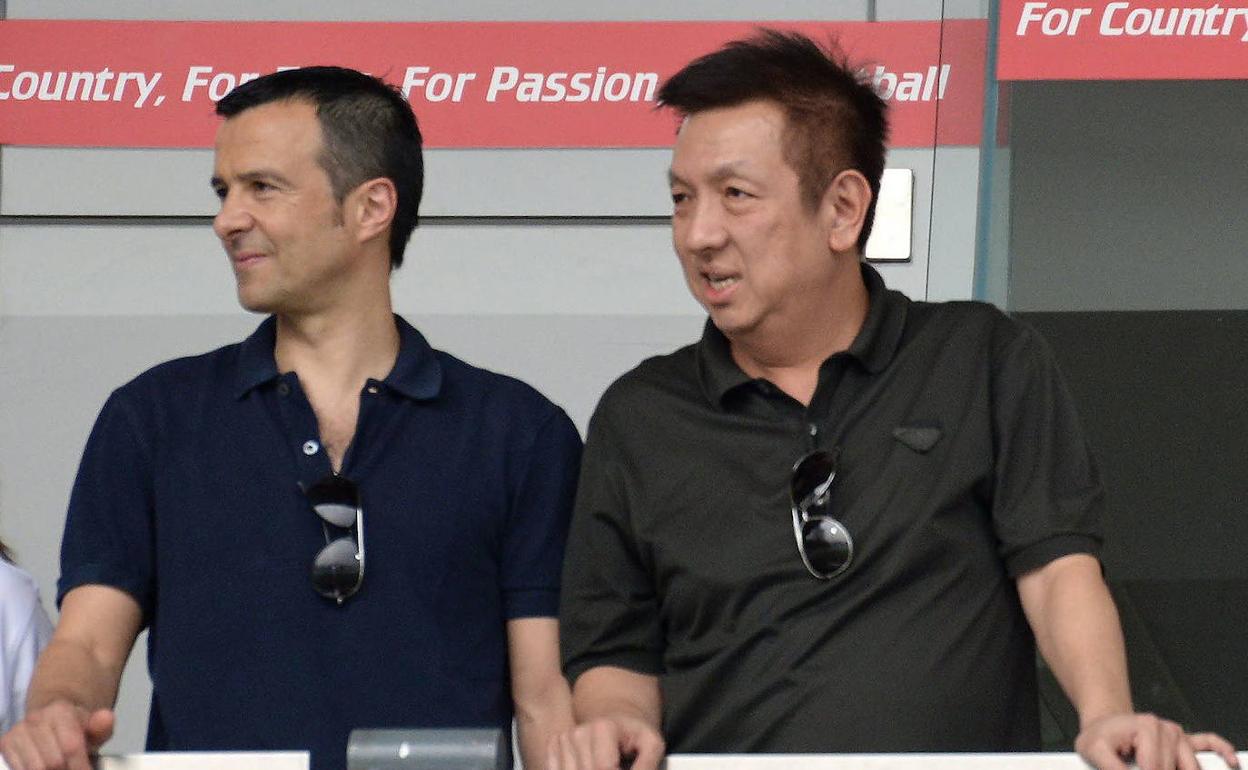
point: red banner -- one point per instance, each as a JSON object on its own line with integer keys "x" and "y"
{"x": 1122, "y": 40}
{"x": 472, "y": 84}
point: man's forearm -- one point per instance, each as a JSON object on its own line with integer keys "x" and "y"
{"x": 618, "y": 716}
{"x": 67, "y": 670}
{"x": 537, "y": 721}
{"x": 607, "y": 691}
{"x": 541, "y": 695}
{"x": 83, "y": 662}
{"x": 1076, "y": 627}
{"x": 1078, "y": 633}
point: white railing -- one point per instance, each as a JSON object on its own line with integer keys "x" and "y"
{"x": 204, "y": 760}
{"x": 1047, "y": 761}
{"x": 299, "y": 761}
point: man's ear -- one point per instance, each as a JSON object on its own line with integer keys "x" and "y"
{"x": 372, "y": 206}
{"x": 844, "y": 206}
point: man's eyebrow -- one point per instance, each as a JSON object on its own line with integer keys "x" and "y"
{"x": 728, "y": 170}
{"x": 718, "y": 174}
{"x": 258, "y": 175}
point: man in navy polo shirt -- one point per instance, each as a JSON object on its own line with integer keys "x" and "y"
{"x": 330, "y": 525}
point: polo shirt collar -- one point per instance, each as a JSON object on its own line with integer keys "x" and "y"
{"x": 417, "y": 373}
{"x": 877, "y": 340}
{"x": 716, "y": 369}
{"x": 256, "y": 364}
{"x": 873, "y": 347}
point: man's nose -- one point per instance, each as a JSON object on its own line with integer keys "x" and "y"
{"x": 705, "y": 227}
{"x": 233, "y": 217}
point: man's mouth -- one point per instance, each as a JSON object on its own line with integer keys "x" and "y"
{"x": 719, "y": 280}
{"x": 246, "y": 257}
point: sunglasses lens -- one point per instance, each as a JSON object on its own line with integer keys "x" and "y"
{"x": 335, "y": 500}
{"x": 811, "y": 476}
{"x": 336, "y": 572}
{"x": 827, "y": 545}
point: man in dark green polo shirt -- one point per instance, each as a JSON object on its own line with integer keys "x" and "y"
{"x": 842, "y": 520}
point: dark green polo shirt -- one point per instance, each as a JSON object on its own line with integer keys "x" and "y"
{"x": 962, "y": 466}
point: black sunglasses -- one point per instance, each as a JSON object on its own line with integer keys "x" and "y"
{"x": 338, "y": 569}
{"x": 823, "y": 542}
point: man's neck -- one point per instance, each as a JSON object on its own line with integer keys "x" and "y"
{"x": 342, "y": 348}
{"x": 789, "y": 352}
{"x": 335, "y": 354}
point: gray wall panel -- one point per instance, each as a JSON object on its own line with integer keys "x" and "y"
{"x": 41, "y": 181}
{"x": 136, "y": 182}
{"x": 180, "y": 269}
{"x": 104, "y": 182}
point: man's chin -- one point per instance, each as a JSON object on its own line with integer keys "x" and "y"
{"x": 729, "y": 323}
{"x": 254, "y": 304}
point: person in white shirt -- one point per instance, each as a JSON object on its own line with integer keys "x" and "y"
{"x": 24, "y": 630}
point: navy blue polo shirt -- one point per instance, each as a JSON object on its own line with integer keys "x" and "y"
{"x": 188, "y": 499}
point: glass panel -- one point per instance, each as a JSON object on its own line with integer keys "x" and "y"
{"x": 1112, "y": 220}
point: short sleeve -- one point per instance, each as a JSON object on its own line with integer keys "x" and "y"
{"x": 537, "y": 527}
{"x": 1048, "y": 499}
{"x": 109, "y": 528}
{"x": 609, "y": 615}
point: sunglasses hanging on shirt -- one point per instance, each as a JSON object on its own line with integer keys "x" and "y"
{"x": 338, "y": 568}
{"x": 822, "y": 541}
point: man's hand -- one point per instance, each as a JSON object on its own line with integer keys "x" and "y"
{"x": 604, "y": 744}
{"x": 1109, "y": 743}
{"x": 541, "y": 695}
{"x": 58, "y": 736}
{"x": 620, "y": 712}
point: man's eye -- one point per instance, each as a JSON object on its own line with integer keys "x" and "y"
{"x": 736, "y": 192}
{"x": 679, "y": 197}
{"x": 262, "y": 187}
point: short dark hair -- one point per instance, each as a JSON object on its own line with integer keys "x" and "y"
{"x": 834, "y": 119}
{"x": 369, "y": 131}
